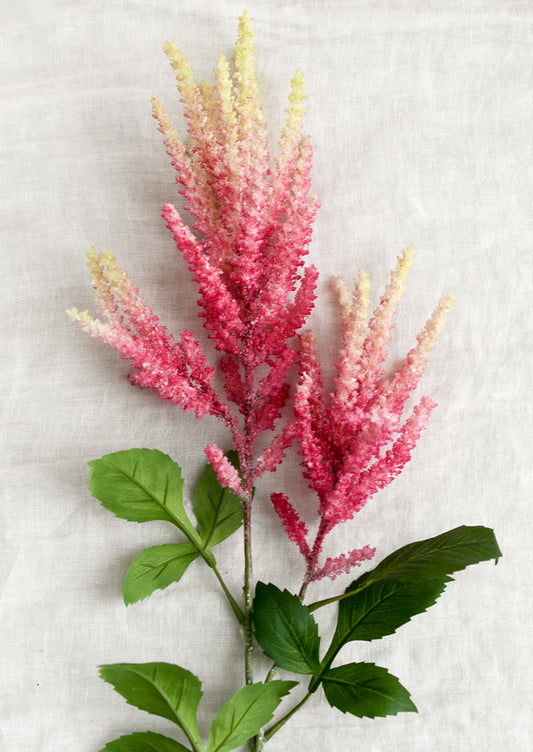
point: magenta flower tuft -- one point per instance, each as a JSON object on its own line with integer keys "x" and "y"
{"x": 358, "y": 442}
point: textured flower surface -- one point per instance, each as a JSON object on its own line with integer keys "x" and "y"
{"x": 252, "y": 220}
{"x": 358, "y": 441}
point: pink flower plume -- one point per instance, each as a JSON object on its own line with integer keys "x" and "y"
{"x": 226, "y": 473}
{"x": 294, "y": 526}
{"x": 357, "y": 444}
{"x": 344, "y": 563}
{"x": 251, "y": 227}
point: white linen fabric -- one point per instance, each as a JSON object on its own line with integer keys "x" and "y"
{"x": 420, "y": 117}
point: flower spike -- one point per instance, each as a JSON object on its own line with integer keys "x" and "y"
{"x": 252, "y": 221}
{"x": 357, "y": 444}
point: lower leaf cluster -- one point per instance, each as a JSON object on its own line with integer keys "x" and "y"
{"x": 143, "y": 485}
{"x": 403, "y": 585}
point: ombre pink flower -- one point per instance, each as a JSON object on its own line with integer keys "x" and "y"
{"x": 252, "y": 220}
{"x": 357, "y": 442}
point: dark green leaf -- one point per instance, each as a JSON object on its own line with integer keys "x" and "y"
{"x": 217, "y": 509}
{"x": 442, "y": 555}
{"x": 141, "y": 485}
{"x": 285, "y": 629}
{"x": 382, "y": 607}
{"x": 366, "y": 690}
{"x": 429, "y": 559}
{"x": 156, "y": 568}
{"x": 144, "y": 741}
{"x": 162, "y": 689}
{"x": 245, "y": 714}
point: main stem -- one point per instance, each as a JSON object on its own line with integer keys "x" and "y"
{"x": 248, "y": 593}
{"x": 246, "y": 459}
{"x": 246, "y": 455}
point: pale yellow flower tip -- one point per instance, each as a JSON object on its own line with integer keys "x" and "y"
{"x": 405, "y": 260}
{"x": 362, "y": 284}
{"x": 244, "y": 49}
{"x": 431, "y": 331}
{"x": 180, "y": 66}
{"x": 295, "y": 111}
{"x": 443, "y": 309}
{"x": 93, "y": 257}
{"x": 297, "y": 87}
{"x": 225, "y": 86}
{"x": 400, "y": 273}
{"x": 83, "y": 318}
{"x": 343, "y": 296}
{"x": 108, "y": 257}
{"x": 448, "y": 302}
{"x": 245, "y": 26}
{"x": 157, "y": 108}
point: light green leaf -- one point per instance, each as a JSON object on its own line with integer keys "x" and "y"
{"x": 366, "y": 691}
{"x": 156, "y": 568}
{"x": 242, "y": 717}
{"x": 141, "y": 485}
{"x": 161, "y": 689}
{"x": 217, "y": 509}
{"x": 144, "y": 741}
{"x": 285, "y": 629}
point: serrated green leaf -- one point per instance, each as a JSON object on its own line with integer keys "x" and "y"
{"x": 217, "y": 509}
{"x": 242, "y": 717}
{"x": 162, "y": 689}
{"x": 285, "y": 629}
{"x": 144, "y": 741}
{"x": 430, "y": 559}
{"x": 141, "y": 485}
{"x": 366, "y": 691}
{"x": 439, "y": 556}
{"x": 382, "y": 607}
{"x": 156, "y": 568}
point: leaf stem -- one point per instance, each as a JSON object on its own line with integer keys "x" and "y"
{"x": 237, "y": 610}
{"x": 276, "y": 727}
{"x": 271, "y": 673}
{"x": 327, "y": 601}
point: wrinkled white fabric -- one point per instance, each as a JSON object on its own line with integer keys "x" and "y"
{"x": 420, "y": 117}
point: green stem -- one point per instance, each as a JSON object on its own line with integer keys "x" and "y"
{"x": 276, "y": 727}
{"x": 248, "y": 603}
{"x": 248, "y": 595}
{"x": 237, "y": 610}
{"x": 327, "y": 601}
{"x": 271, "y": 673}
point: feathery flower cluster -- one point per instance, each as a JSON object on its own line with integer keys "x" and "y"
{"x": 357, "y": 443}
{"x": 246, "y": 249}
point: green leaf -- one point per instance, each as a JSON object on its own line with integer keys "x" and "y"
{"x": 144, "y": 741}
{"x": 156, "y": 568}
{"x": 245, "y": 714}
{"x": 163, "y": 689}
{"x": 442, "y": 555}
{"x": 217, "y": 509}
{"x": 141, "y": 485}
{"x": 429, "y": 559}
{"x": 366, "y": 690}
{"x": 382, "y": 607}
{"x": 285, "y": 629}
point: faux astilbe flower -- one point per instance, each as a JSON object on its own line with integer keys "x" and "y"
{"x": 357, "y": 442}
{"x": 251, "y": 228}
{"x": 246, "y": 249}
